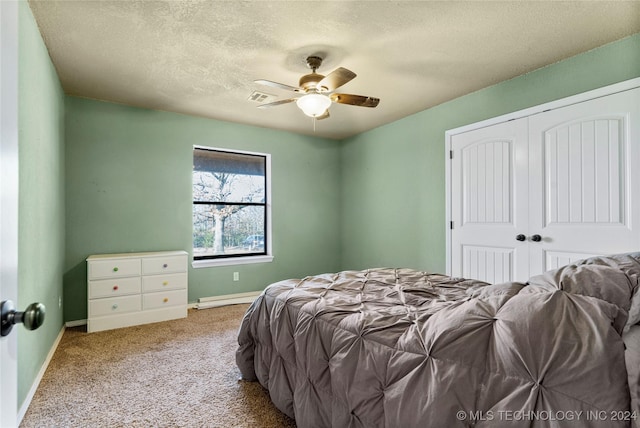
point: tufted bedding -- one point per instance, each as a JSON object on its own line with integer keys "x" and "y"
{"x": 402, "y": 348}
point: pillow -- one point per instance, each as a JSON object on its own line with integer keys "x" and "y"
{"x": 600, "y": 281}
{"x": 629, "y": 263}
{"x": 611, "y": 279}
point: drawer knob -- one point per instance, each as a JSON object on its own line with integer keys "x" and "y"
{"x": 115, "y": 288}
{"x": 165, "y": 283}
{"x": 165, "y": 300}
{"x": 115, "y": 306}
{"x": 165, "y": 265}
{"x": 115, "y": 269}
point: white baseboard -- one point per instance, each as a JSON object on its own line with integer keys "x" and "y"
{"x": 75, "y": 323}
{"x": 229, "y": 299}
{"x": 38, "y": 379}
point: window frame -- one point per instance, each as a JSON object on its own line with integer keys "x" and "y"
{"x": 233, "y": 259}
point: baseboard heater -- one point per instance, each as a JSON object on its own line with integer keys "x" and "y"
{"x": 229, "y": 299}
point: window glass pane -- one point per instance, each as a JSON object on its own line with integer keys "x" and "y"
{"x": 227, "y": 187}
{"x": 230, "y": 204}
{"x": 220, "y": 230}
{"x": 228, "y": 177}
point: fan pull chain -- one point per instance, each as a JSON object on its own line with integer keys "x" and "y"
{"x": 314, "y": 124}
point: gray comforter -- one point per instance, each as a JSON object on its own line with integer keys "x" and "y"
{"x": 402, "y": 348}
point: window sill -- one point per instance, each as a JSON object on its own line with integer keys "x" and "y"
{"x": 197, "y": 264}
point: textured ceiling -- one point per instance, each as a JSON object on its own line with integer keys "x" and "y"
{"x": 201, "y": 57}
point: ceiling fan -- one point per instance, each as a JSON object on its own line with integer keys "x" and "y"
{"x": 317, "y": 91}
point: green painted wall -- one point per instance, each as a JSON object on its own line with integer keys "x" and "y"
{"x": 393, "y": 177}
{"x": 41, "y": 208}
{"x": 128, "y": 183}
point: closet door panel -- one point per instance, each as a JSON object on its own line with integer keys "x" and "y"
{"x": 583, "y": 199}
{"x": 489, "y": 188}
{"x": 556, "y": 259}
{"x": 584, "y": 173}
{"x": 491, "y": 264}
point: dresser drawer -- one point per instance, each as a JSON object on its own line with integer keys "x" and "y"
{"x": 114, "y": 305}
{"x": 113, "y": 268}
{"x": 167, "y": 264}
{"x": 173, "y": 281}
{"x": 164, "y": 299}
{"x": 114, "y": 287}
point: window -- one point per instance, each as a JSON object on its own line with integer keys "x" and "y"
{"x": 231, "y": 215}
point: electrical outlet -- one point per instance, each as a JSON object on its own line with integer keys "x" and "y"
{"x": 236, "y": 276}
{"x": 60, "y": 302}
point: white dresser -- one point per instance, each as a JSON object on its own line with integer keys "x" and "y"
{"x": 135, "y": 288}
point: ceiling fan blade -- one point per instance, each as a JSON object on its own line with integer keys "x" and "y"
{"x": 277, "y": 103}
{"x": 356, "y": 100}
{"x": 324, "y": 115}
{"x": 277, "y": 85}
{"x": 335, "y": 79}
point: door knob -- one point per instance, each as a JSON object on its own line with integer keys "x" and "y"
{"x": 31, "y": 318}
{"x": 520, "y": 237}
{"x": 536, "y": 238}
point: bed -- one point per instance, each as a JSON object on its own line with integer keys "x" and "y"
{"x": 402, "y": 348}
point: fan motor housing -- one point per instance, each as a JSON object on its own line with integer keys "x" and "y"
{"x": 310, "y": 81}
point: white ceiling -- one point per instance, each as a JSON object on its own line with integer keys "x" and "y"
{"x": 200, "y": 57}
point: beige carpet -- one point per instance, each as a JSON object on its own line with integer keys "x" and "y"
{"x": 171, "y": 374}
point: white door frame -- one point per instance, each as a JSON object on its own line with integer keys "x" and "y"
{"x": 8, "y": 202}
{"x": 585, "y": 96}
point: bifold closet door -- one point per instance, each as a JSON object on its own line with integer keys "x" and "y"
{"x": 540, "y": 192}
{"x": 489, "y": 186}
{"x": 584, "y": 183}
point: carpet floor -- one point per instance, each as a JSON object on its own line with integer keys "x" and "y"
{"x": 171, "y": 374}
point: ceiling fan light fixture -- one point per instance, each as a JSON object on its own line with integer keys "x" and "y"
{"x": 313, "y": 105}
{"x": 317, "y": 91}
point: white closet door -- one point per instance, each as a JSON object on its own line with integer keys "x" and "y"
{"x": 583, "y": 190}
{"x": 489, "y": 203}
